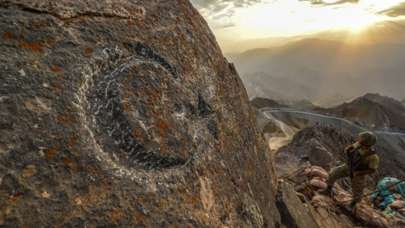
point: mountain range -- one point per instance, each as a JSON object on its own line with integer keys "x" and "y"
{"x": 374, "y": 111}
{"x": 327, "y": 69}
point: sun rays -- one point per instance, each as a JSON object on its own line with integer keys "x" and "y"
{"x": 283, "y": 18}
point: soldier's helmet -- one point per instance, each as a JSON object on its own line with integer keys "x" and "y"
{"x": 367, "y": 138}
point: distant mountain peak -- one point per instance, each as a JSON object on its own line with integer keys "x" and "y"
{"x": 374, "y": 110}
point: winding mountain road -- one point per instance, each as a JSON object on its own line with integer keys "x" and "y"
{"x": 280, "y": 113}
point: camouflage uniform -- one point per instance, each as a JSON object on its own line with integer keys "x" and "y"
{"x": 358, "y": 182}
{"x": 367, "y": 162}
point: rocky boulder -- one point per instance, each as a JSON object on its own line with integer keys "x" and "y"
{"x": 294, "y": 213}
{"x": 125, "y": 113}
{"x": 318, "y": 145}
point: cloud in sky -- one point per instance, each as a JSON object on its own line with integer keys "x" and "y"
{"x": 395, "y": 11}
{"x": 333, "y": 2}
{"x": 219, "y": 5}
{"x": 255, "y": 19}
{"x": 219, "y": 12}
{"x": 218, "y": 9}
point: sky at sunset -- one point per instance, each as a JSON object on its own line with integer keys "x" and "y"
{"x": 237, "y": 20}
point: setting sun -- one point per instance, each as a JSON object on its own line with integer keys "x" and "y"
{"x": 275, "y": 18}
{"x": 296, "y": 18}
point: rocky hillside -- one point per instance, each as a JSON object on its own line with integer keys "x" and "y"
{"x": 309, "y": 138}
{"x": 260, "y": 102}
{"x": 322, "y": 134}
{"x": 124, "y": 113}
{"x": 323, "y": 146}
{"x": 321, "y": 139}
{"x": 373, "y": 110}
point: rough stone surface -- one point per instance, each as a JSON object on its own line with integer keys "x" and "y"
{"x": 319, "y": 145}
{"x": 294, "y": 213}
{"x": 124, "y": 113}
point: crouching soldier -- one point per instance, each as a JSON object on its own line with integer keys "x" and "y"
{"x": 362, "y": 161}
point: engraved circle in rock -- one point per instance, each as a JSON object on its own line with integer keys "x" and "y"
{"x": 142, "y": 116}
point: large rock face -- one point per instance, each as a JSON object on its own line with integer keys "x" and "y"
{"x": 124, "y": 113}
